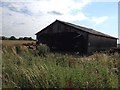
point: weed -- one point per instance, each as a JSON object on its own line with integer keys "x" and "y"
{"x": 42, "y": 50}
{"x": 22, "y": 69}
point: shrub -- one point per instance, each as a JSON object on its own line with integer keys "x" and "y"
{"x": 12, "y": 38}
{"x": 42, "y": 50}
{"x": 18, "y": 49}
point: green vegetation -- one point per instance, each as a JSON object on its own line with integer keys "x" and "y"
{"x": 14, "y": 38}
{"x": 42, "y": 50}
{"x": 22, "y": 68}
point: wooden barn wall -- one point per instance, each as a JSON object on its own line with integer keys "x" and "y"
{"x": 58, "y": 27}
{"x": 98, "y": 43}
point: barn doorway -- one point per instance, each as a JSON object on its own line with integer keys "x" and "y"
{"x": 67, "y": 41}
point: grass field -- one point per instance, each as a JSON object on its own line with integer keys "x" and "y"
{"x": 23, "y": 68}
{"x": 15, "y": 42}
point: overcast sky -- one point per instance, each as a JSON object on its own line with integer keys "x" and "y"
{"x": 27, "y": 17}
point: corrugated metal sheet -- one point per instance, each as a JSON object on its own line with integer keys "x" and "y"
{"x": 88, "y": 30}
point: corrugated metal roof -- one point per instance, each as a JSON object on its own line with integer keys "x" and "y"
{"x": 88, "y": 30}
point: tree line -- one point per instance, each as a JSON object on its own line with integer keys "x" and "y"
{"x": 14, "y": 38}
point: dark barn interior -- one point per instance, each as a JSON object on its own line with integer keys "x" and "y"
{"x": 67, "y": 41}
{"x": 63, "y": 36}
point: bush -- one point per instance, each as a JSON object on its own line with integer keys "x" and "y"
{"x": 42, "y": 50}
{"x": 18, "y": 49}
{"x": 12, "y": 38}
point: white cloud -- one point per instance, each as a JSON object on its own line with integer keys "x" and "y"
{"x": 76, "y": 17}
{"x": 99, "y": 20}
{"x": 43, "y": 6}
{"x": 62, "y": 6}
{"x": 27, "y": 18}
{"x": 49, "y": 0}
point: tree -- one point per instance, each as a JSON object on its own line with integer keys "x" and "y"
{"x": 21, "y": 38}
{"x": 30, "y": 38}
{"x": 12, "y": 38}
{"x": 4, "y": 38}
{"x": 27, "y": 38}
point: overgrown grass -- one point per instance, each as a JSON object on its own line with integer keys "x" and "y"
{"x": 15, "y": 42}
{"x": 21, "y": 68}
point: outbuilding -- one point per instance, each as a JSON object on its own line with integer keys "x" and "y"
{"x": 65, "y": 36}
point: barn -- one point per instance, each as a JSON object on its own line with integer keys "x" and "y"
{"x": 65, "y": 36}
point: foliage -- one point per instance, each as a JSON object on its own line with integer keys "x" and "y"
{"x": 57, "y": 70}
{"x": 42, "y": 50}
{"x": 14, "y": 38}
{"x": 3, "y": 38}
{"x": 27, "y": 38}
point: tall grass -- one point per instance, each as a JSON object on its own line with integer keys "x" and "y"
{"x": 0, "y": 66}
{"x": 14, "y": 42}
{"x": 21, "y": 68}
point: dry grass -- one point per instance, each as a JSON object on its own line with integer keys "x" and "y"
{"x": 23, "y": 69}
{"x": 15, "y": 42}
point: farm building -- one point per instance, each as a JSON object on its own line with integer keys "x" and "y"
{"x": 65, "y": 36}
